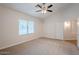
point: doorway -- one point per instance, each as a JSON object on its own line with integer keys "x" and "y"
{"x": 70, "y": 31}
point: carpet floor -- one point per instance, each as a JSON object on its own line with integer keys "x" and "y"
{"x": 42, "y": 46}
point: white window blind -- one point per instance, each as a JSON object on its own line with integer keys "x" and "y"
{"x": 22, "y": 27}
{"x": 26, "y": 27}
{"x": 30, "y": 27}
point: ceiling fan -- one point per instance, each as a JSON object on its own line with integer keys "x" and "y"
{"x": 44, "y": 8}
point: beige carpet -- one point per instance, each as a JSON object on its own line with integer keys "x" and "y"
{"x": 42, "y": 47}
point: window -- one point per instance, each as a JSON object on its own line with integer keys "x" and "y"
{"x": 30, "y": 27}
{"x": 26, "y": 27}
{"x": 22, "y": 27}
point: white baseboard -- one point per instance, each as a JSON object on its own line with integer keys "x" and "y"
{"x": 7, "y": 46}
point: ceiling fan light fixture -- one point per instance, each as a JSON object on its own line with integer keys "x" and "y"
{"x": 44, "y": 8}
{"x": 44, "y": 11}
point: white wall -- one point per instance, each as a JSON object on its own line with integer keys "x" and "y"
{"x": 68, "y": 15}
{"x": 78, "y": 33}
{"x": 1, "y": 26}
{"x": 70, "y": 30}
{"x": 9, "y": 23}
{"x": 53, "y": 27}
{"x": 72, "y": 13}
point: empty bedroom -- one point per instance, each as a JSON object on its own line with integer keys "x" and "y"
{"x": 39, "y": 28}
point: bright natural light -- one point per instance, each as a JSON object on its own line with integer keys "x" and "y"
{"x": 22, "y": 27}
{"x": 30, "y": 27}
{"x": 26, "y": 27}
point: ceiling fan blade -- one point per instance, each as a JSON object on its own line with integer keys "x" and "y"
{"x": 38, "y": 10}
{"x": 50, "y": 6}
{"x": 43, "y": 3}
{"x": 50, "y": 10}
{"x": 38, "y": 6}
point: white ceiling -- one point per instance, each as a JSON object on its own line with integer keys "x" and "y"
{"x": 29, "y": 8}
